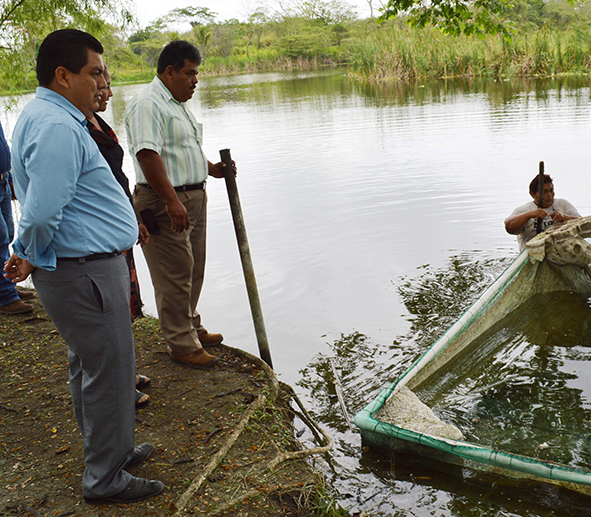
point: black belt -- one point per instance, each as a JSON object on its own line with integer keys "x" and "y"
{"x": 94, "y": 256}
{"x": 3, "y": 176}
{"x": 182, "y": 188}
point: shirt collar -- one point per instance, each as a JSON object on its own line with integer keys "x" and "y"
{"x": 49, "y": 95}
{"x": 163, "y": 90}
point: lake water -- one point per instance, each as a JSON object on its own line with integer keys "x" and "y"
{"x": 374, "y": 216}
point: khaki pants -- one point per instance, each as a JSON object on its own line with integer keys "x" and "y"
{"x": 177, "y": 266}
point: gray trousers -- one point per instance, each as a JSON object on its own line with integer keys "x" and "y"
{"x": 89, "y": 304}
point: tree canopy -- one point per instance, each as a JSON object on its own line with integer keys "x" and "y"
{"x": 24, "y": 24}
{"x": 455, "y": 16}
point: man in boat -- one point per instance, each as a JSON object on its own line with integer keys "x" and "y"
{"x": 523, "y": 222}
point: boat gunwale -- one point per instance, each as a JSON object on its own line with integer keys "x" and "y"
{"x": 367, "y": 424}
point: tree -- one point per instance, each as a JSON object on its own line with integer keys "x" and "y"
{"x": 25, "y": 23}
{"x": 149, "y": 50}
{"x": 203, "y": 37}
{"x": 90, "y": 15}
{"x": 455, "y": 16}
{"x": 195, "y": 16}
{"x": 329, "y": 12}
{"x": 254, "y": 27}
{"x": 224, "y": 37}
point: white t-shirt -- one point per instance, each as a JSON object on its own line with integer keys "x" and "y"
{"x": 530, "y": 228}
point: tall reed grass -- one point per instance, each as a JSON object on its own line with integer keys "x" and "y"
{"x": 400, "y": 53}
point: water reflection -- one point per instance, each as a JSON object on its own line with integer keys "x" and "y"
{"x": 344, "y": 188}
{"x": 497, "y": 92}
{"x": 525, "y": 386}
{"x": 531, "y": 412}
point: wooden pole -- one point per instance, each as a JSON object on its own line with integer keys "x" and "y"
{"x": 247, "y": 267}
{"x": 540, "y": 196}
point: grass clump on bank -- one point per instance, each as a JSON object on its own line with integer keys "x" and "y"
{"x": 399, "y": 53}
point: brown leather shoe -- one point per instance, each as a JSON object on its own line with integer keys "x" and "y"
{"x": 208, "y": 339}
{"x": 26, "y": 295}
{"x": 199, "y": 359}
{"x": 16, "y": 307}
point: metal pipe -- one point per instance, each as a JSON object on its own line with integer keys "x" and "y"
{"x": 245, "y": 258}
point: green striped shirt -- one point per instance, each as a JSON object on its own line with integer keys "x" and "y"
{"x": 155, "y": 120}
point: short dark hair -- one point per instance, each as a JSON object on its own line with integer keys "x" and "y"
{"x": 175, "y": 53}
{"x": 533, "y": 186}
{"x": 67, "y": 48}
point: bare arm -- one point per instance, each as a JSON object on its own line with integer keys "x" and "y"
{"x": 155, "y": 173}
{"x": 515, "y": 224}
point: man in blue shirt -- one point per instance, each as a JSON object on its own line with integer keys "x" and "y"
{"x": 10, "y": 301}
{"x": 75, "y": 221}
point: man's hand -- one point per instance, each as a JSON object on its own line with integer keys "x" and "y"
{"x": 144, "y": 235}
{"x": 559, "y": 217}
{"x": 515, "y": 224}
{"x": 217, "y": 169}
{"x": 155, "y": 173}
{"x": 17, "y": 269}
{"x": 538, "y": 213}
{"x": 179, "y": 216}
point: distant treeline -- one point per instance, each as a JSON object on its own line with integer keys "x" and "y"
{"x": 549, "y": 37}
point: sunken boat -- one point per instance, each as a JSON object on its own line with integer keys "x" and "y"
{"x": 507, "y": 388}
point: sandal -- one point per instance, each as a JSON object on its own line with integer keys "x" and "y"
{"x": 141, "y": 400}
{"x": 142, "y": 382}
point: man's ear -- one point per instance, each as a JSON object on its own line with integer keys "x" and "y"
{"x": 61, "y": 77}
{"x": 169, "y": 70}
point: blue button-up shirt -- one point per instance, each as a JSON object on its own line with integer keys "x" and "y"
{"x": 71, "y": 204}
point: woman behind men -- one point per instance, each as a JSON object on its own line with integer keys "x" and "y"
{"x": 109, "y": 147}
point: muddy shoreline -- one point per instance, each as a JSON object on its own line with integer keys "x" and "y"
{"x": 225, "y": 440}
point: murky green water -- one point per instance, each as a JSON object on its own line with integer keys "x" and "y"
{"x": 374, "y": 215}
{"x": 525, "y": 387}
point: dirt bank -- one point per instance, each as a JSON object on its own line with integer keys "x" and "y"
{"x": 193, "y": 419}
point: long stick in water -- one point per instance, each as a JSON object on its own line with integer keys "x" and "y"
{"x": 247, "y": 267}
{"x": 337, "y": 385}
{"x": 540, "y": 196}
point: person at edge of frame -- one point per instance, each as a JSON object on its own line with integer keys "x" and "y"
{"x": 165, "y": 141}
{"x": 523, "y": 222}
{"x": 74, "y": 221}
{"x": 11, "y": 300}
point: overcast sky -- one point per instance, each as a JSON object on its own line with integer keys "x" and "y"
{"x": 149, "y": 10}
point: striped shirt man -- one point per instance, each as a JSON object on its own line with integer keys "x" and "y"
{"x": 165, "y": 141}
{"x": 155, "y": 120}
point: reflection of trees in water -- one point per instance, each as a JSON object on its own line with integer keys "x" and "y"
{"x": 438, "y": 297}
{"x": 524, "y": 387}
{"x": 499, "y": 94}
{"x": 434, "y": 299}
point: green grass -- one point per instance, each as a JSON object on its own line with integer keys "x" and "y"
{"x": 400, "y": 53}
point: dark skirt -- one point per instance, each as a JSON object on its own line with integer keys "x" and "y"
{"x": 135, "y": 302}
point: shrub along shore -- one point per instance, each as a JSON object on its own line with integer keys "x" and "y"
{"x": 372, "y": 51}
{"x": 405, "y": 54}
